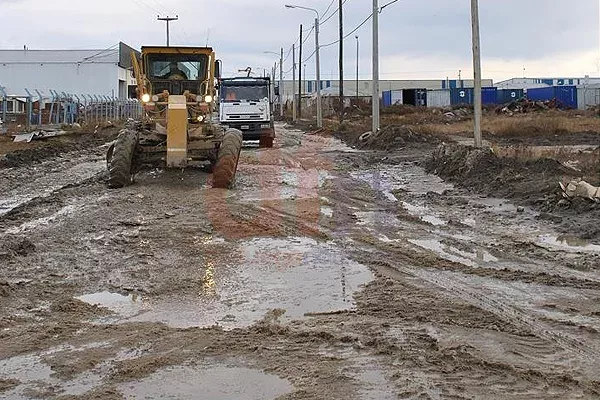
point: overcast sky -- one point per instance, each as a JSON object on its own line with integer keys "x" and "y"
{"x": 419, "y": 38}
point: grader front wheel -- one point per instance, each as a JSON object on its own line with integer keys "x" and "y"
{"x": 120, "y": 159}
{"x": 227, "y": 159}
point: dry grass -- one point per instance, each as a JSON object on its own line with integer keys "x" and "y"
{"x": 583, "y": 160}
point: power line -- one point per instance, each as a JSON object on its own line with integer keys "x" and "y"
{"x": 144, "y": 5}
{"x": 332, "y": 14}
{"x": 328, "y": 7}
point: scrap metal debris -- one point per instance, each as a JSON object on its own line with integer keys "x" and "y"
{"x": 38, "y": 135}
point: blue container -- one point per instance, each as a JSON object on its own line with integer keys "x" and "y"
{"x": 541, "y": 94}
{"x": 461, "y": 96}
{"x": 489, "y": 95}
{"x": 505, "y": 96}
{"x": 387, "y": 98}
{"x": 566, "y": 96}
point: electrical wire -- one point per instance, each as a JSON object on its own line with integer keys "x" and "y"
{"x": 332, "y": 14}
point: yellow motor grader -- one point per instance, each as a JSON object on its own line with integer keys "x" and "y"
{"x": 176, "y": 86}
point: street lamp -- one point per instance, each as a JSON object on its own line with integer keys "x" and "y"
{"x": 280, "y": 79}
{"x": 318, "y": 66}
{"x": 357, "y": 56}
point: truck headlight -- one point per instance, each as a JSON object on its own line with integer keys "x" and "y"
{"x": 208, "y": 98}
{"x": 145, "y": 98}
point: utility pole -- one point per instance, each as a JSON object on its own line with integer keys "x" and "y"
{"x": 357, "y": 58}
{"x": 375, "y": 99}
{"x": 300, "y": 77}
{"x": 341, "y": 15}
{"x": 294, "y": 109}
{"x": 281, "y": 84}
{"x": 318, "y": 67}
{"x": 477, "y": 68}
{"x": 168, "y": 19}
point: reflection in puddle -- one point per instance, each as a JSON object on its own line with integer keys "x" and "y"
{"x": 208, "y": 382}
{"x": 298, "y": 275}
{"x": 571, "y": 244}
{"x": 470, "y": 259}
{"x": 65, "y": 211}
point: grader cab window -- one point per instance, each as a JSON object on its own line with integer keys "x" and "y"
{"x": 178, "y": 66}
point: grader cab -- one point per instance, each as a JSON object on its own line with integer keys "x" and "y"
{"x": 176, "y": 86}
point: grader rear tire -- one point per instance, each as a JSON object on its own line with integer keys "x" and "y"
{"x": 120, "y": 159}
{"x": 227, "y": 159}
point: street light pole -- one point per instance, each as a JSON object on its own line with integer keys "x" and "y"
{"x": 375, "y": 99}
{"x": 281, "y": 84}
{"x": 168, "y": 19}
{"x": 357, "y": 58}
{"x": 318, "y": 62}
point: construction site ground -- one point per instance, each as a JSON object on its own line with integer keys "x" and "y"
{"x": 334, "y": 269}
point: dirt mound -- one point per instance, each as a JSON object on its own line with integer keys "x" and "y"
{"x": 528, "y": 182}
{"x": 55, "y": 147}
{"x": 389, "y": 138}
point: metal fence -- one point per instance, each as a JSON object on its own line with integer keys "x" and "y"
{"x": 33, "y": 110}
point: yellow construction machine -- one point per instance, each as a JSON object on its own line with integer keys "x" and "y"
{"x": 176, "y": 86}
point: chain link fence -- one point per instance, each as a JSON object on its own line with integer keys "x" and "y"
{"x": 35, "y": 110}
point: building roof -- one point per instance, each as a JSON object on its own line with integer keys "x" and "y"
{"x": 117, "y": 54}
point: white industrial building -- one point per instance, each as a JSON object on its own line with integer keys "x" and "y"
{"x": 365, "y": 88}
{"x": 89, "y": 72}
{"x": 534, "y": 83}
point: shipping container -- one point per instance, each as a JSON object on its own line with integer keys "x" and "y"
{"x": 505, "y": 96}
{"x": 461, "y": 96}
{"x": 387, "y": 98}
{"x": 415, "y": 97}
{"x": 588, "y": 97}
{"x": 566, "y": 96}
{"x": 438, "y": 98}
{"x": 397, "y": 97}
{"x": 489, "y": 95}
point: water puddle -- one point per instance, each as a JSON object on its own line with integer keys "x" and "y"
{"x": 298, "y": 275}
{"x": 407, "y": 177}
{"x": 570, "y": 244}
{"x": 208, "y": 382}
{"x": 424, "y": 214}
{"x": 470, "y": 259}
{"x": 327, "y": 211}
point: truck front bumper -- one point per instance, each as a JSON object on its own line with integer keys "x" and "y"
{"x": 252, "y": 130}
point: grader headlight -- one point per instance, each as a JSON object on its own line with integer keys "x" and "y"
{"x": 145, "y": 98}
{"x": 208, "y": 98}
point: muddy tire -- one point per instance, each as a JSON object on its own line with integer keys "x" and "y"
{"x": 227, "y": 159}
{"x": 265, "y": 142}
{"x": 120, "y": 159}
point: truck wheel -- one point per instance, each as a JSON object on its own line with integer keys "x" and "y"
{"x": 120, "y": 159}
{"x": 227, "y": 159}
{"x": 265, "y": 141}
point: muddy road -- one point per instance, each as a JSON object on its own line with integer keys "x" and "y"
{"x": 326, "y": 273}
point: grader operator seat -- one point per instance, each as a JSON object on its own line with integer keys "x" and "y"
{"x": 174, "y": 72}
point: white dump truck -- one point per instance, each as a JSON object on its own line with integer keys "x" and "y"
{"x": 246, "y": 104}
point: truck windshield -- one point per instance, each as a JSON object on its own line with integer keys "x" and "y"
{"x": 248, "y": 93}
{"x": 178, "y": 66}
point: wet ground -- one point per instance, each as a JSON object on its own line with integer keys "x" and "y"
{"x": 326, "y": 273}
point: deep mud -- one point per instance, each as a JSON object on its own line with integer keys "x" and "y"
{"x": 326, "y": 273}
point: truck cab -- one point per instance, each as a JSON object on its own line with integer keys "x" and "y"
{"x": 246, "y": 104}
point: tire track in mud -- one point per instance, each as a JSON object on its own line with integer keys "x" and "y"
{"x": 496, "y": 304}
